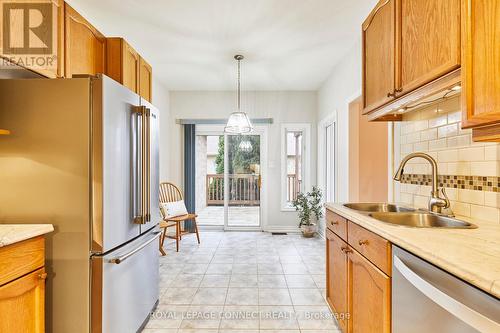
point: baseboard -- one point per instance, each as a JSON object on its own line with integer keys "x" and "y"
{"x": 276, "y": 228}
{"x": 273, "y": 228}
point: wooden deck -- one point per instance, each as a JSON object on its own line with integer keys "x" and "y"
{"x": 238, "y": 216}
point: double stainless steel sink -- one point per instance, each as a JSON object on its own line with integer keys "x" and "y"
{"x": 408, "y": 217}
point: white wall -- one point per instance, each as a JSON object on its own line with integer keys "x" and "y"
{"x": 282, "y": 106}
{"x": 343, "y": 86}
{"x": 161, "y": 99}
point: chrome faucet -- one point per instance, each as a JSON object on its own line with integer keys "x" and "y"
{"x": 436, "y": 203}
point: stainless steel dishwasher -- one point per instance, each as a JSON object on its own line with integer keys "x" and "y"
{"x": 427, "y": 299}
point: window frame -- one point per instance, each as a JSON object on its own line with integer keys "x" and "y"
{"x": 305, "y": 128}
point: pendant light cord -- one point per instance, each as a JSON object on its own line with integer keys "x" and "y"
{"x": 239, "y": 84}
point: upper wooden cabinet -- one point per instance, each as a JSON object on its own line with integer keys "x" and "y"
{"x": 85, "y": 47}
{"x": 379, "y": 50}
{"x": 123, "y": 63}
{"x": 406, "y": 45}
{"x": 145, "y": 80}
{"x": 126, "y": 66}
{"x": 481, "y": 69}
{"x": 428, "y": 41}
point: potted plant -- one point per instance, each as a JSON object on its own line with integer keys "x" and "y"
{"x": 308, "y": 206}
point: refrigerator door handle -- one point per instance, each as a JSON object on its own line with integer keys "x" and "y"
{"x": 453, "y": 306}
{"x": 138, "y": 181}
{"x": 122, "y": 258}
{"x": 147, "y": 157}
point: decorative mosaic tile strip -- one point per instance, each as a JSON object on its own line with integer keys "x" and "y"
{"x": 478, "y": 183}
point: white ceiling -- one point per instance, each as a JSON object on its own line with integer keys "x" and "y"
{"x": 287, "y": 44}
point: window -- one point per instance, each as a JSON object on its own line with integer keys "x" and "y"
{"x": 295, "y": 162}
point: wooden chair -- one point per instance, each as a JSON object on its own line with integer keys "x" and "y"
{"x": 171, "y": 193}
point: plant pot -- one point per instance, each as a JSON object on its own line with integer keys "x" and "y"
{"x": 308, "y": 231}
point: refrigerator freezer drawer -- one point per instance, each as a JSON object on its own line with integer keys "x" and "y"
{"x": 127, "y": 280}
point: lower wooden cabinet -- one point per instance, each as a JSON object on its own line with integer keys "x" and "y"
{"x": 357, "y": 290}
{"x": 369, "y": 296}
{"x": 336, "y": 270}
{"x": 22, "y": 304}
{"x": 22, "y": 286}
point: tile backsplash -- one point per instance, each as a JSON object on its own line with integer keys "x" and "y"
{"x": 470, "y": 171}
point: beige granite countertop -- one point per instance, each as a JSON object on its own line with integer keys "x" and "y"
{"x": 470, "y": 254}
{"x": 13, "y": 233}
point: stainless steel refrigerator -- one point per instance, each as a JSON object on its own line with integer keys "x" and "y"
{"x": 83, "y": 155}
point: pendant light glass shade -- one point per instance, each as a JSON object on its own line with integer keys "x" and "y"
{"x": 245, "y": 146}
{"x": 238, "y": 122}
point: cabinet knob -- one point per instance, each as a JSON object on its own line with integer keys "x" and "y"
{"x": 345, "y": 249}
{"x": 391, "y": 94}
{"x": 398, "y": 90}
{"x": 362, "y": 242}
{"x": 42, "y": 276}
{"x": 335, "y": 222}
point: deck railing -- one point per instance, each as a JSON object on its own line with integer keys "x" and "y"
{"x": 243, "y": 190}
{"x": 292, "y": 187}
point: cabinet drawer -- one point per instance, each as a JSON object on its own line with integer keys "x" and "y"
{"x": 337, "y": 224}
{"x": 21, "y": 258}
{"x": 371, "y": 246}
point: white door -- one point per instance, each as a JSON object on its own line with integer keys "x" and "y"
{"x": 330, "y": 166}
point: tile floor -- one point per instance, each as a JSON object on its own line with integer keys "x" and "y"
{"x": 244, "y": 282}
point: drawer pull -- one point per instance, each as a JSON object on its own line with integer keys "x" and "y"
{"x": 335, "y": 222}
{"x": 363, "y": 242}
{"x": 345, "y": 249}
{"x": 42, "y": 276}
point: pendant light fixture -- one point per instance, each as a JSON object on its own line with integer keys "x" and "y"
{"x": 245, "y": 146}
{"x": 238, "y": 121}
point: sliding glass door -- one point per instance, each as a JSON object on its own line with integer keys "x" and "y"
{"x": 242, "y": 180}
{"x": 228, "y": 179}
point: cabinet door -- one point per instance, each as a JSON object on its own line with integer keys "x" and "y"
{"x": 379, "y": 56}
{"x": 369, "y": 296}
{"x": 481, "y": 69}
{"x": 336, "y": 277}
{"x": 85, "y": 47}
{"x": 145, "y": 80}
{"x": 22, "y": 304}
{"x": 130, "y": 68}
{"x": 428, "y": 41}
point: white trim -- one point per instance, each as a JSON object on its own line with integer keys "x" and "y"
{"x": 331, "y": 119}
{"x": 396, "y": 158}
{"x": 322, "y": 125}
{"x": 390, "y": 164}
{"x": 307, "y": 147}
{"x": 294, "y": 230}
